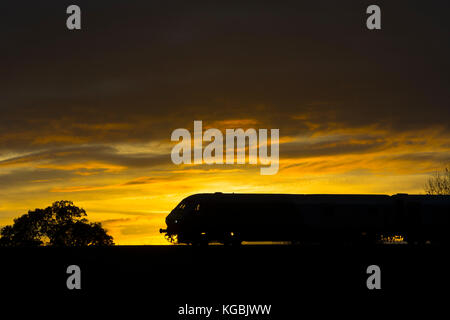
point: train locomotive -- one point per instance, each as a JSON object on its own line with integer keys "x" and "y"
{"x": 232, "y": 218}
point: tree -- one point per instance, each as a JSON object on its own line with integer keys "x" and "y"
{"x": 61, "y": 224}
{"x": 439, "y": 183}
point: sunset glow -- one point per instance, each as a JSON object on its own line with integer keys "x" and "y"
{"x": 88, "y": 117}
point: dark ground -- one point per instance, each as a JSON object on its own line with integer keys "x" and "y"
{"x": 158, "y": 279}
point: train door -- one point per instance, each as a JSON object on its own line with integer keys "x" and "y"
{"x": 413, "y": 221}
{"x": 328, "y": 223}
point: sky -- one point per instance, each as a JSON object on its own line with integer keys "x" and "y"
{"x": 87, "y": 115}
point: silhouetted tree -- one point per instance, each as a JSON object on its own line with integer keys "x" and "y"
{"x": 439, "y": 183}
{"x": 61, "y": 224}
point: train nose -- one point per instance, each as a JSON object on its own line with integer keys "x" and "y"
{"x": 172, "y": 221}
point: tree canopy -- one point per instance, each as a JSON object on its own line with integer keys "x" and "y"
{"x": 439, "y": 183}
{"x": 61, "y": 224}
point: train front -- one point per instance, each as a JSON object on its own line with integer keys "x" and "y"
{"x": 177, "y": 222}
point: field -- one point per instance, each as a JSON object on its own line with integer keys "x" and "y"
{"x": 167, "y": 277}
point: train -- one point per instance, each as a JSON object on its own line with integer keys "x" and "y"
{"x": 234, "y": 218}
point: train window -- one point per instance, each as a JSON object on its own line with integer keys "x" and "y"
{"x": 181, "y": 206}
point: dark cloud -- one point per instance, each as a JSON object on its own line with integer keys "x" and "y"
{"x": 438, "y": 158}
{"x": 146, "y": 68}
{"x": 58, "y": 158}
{"x": 21, "y": 177}
{"x": 302, "y": 150}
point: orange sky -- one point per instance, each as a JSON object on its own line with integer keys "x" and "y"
{"x": 132, "y": 203}
{"x": 87, "y": 116}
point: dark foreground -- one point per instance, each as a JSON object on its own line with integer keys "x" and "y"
{"x": 293, "y": 279}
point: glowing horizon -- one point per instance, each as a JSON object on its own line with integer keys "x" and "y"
{"x": 132, "y": 203}
{"x": 87, "y": 115}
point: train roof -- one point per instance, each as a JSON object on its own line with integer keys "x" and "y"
{"x": 277, "y": 195}
{"x": 312, "y": 197}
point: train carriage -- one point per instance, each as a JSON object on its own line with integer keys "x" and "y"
{"x": 358, "y": 219}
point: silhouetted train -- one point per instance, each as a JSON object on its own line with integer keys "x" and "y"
{"x": 321, "y": 218}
